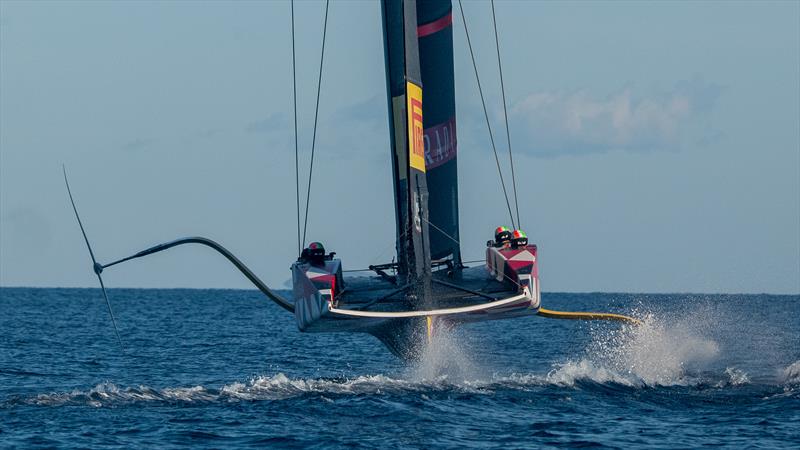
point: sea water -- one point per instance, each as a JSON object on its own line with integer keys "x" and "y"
{"x": 227, "y": 368}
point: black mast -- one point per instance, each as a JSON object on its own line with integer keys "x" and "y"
{"x": 404, "y": 92}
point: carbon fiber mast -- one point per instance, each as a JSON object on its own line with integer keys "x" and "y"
{"x": 404, "y": 93}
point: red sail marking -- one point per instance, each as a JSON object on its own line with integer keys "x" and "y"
{"x": 435, "y": 26}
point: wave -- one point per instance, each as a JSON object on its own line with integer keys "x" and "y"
{"x": 281, "y": 387}
{"x": 791, "y": 374}
{"x": 276, "y": 387}
{"x": 574, "y": 372}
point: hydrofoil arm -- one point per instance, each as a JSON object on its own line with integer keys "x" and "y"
{"x": 550, "y": 314}
{"x": 282, "y": 302}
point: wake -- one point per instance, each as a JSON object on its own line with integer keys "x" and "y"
{"x": 280, "y": 387}
{"x": 665, "y": 351}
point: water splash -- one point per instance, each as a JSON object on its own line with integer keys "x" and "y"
{"x": 444, "y": 358}
{"x": 791, "y": 374}
{"x": 567, "y": 374}
{"x": 737, "y": 377}
{"x": 660, "y": 352}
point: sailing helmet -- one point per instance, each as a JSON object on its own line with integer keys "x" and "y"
{"x": 315, "y": 249}
{"x": 502, "y": 234}
{"x": 519, "y": 238}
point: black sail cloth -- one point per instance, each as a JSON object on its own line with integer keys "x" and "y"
{"x": 435, "y": 35}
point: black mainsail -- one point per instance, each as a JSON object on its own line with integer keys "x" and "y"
{"x": 435, "y": 36}
{"x": 418, "y": 49}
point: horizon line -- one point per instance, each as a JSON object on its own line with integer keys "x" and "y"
{"x": 797, "y": 294}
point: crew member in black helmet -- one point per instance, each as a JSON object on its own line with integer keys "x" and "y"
{"x": 519, "y": 239}
{"x": 502, "y": 237}
{"x": 314, "y": 254}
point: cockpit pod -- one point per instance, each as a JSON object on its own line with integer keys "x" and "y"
{"x": 316, "y": 282}
{"x": 514, "y": 262}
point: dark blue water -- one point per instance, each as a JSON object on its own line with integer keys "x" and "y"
{"x": 224, "y": 368}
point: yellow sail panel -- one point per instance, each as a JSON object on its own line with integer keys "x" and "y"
{"x": 416, "y": 140}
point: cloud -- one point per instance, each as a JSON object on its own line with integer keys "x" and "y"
{"x": 371, "y": 111}
{"x": 356, "y": 130}
{"x": 555, "y": 123}
{"x": 138, "y": 144}
{"x": 275, "y": 121}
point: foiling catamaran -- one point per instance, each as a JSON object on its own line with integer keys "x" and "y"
{"x": 427, "y": 285}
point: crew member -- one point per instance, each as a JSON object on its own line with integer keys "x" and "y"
{"x": 519, "y": 239}
{"x": 314, "y": 254}
{"x": 502, "y": 237}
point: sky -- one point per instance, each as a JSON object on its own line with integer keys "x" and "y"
{"x": 656, "y": 145}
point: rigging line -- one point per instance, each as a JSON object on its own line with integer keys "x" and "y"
{"x": 441, "y": 231}
{"x": 463, "y": 289}
{"x": 456, "y": 241}
{"x": 505, "y": 116}
{"x": 316, "y": 116}
{"x": 296, "y": 151}
{"x": 486, "y": 114}
{"x": 385, "y": 297}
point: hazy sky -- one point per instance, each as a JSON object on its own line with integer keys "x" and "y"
{"x": 657, "y": 145}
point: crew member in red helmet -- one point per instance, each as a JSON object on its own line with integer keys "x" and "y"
{"x": 502, "y": 237}
{"x": 519, "y": 239}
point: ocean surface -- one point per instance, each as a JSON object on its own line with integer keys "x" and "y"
{"x": 227, "y": 368}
